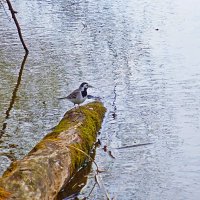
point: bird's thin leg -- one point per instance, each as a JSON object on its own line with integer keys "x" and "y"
{"x": 76, "y": 111}
{"x": 80, "y": 109}
{"x": 74, "y": 106}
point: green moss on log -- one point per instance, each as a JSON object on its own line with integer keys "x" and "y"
{"x": 87, "y": 132}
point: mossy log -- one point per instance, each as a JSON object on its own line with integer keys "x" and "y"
{"x": 51, "y": 163}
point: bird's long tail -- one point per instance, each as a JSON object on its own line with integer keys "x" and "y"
{"x": 62, "y": 98}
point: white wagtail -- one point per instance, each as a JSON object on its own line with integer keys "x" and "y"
{"x": 79, "y": 95}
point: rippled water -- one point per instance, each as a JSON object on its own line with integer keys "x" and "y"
{"x": 143, "y": 59}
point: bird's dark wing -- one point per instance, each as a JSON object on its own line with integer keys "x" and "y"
{"x": 73, "y": 95}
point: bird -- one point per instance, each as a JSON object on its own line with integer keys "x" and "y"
{"x": 79, "y": 95}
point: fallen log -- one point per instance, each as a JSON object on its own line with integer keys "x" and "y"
{"x": 52, "y": 162}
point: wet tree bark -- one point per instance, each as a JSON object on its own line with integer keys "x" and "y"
{"x": 54, "y": 160}
{"x": 13, "y": 12}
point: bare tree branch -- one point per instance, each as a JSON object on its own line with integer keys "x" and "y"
{"x": 13, "y": 12}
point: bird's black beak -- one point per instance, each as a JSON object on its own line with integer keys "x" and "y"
{"x": 90, "y": 86}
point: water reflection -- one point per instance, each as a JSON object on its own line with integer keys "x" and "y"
{"x": 78, "y": 181}
{"x": 14, "y": 94}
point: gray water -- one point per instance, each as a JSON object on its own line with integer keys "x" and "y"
{"x": 143, "y": 59}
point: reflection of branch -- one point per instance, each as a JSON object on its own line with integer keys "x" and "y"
{"x": 91, "y": 190}
{"x": 84, "y": 26}
{"x": 101, "y": 185}
{"x": 13, "y": 12}
{"x": 114, "y": 103}
{"x": 14, "y": 94}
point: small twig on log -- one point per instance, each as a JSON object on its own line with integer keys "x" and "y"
{"x": 13, "y": 12}
{"x": 87, "y": 156}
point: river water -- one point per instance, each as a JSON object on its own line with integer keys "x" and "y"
{"x": 143, "y": 59}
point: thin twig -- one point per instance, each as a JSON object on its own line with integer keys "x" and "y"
{"x": 86, "y": 155}
{"x": 134, "y": 145}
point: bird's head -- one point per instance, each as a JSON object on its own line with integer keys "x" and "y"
{"x": 84, "y": 86}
